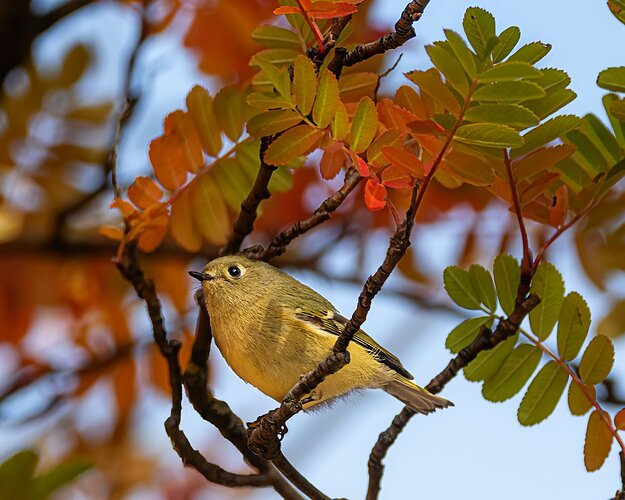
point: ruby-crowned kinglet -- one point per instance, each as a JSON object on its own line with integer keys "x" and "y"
{"x": 271, "y": 329}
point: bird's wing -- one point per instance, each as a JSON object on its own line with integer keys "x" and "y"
{"x": 334, "y": 323}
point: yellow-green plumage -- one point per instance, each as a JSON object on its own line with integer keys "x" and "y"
{"x": 271, "y": 329}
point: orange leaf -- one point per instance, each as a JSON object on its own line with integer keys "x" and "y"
{"x": 333, "y": 160}
{"x": 396, "y": 177}
{"x": 426, "y": 127}
{"x": 557, "y": 213}
{"x": 181, "y": 124}
{"x": 152, "y": 233}
{"x": 144, "y": 192}
{"x": 168, "y": 159}
{"x": 375, "y": 195}
{"x": 598, "y": 441}
{"x": 286, "y": 9}
{"x": 111, "y": 232}
{"x": 392, "y": 116}
{"x": 619, "y": 420}
{"x": 182, "y": 228}
{"x": 360, "y": 164}
{"x": 405, "y": 160}
{"x": 124, "y": 207}
{"x": 409, "y": 99}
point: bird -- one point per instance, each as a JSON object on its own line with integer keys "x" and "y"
{"x": 271, "y": 329}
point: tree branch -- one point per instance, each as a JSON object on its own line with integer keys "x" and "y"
{"x": 131, "y": 270}
{"x": 403, "y": 32}
{"x": 485, "y": 340}
{"x": 218, "y": 412}
{"x": 278, "y": 246}
{"x": 244, "y": 223}
{"x": 263, "y": 434}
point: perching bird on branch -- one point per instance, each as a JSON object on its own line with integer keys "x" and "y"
{"x": 271, "y": 329}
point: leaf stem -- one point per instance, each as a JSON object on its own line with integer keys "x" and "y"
{"x": 313, "y": 27}
{"x": 526, "y": 265}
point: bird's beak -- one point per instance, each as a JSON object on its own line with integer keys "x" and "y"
{"x": 200, "y": 276}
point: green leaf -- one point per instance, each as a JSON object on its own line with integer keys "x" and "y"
{"x": 511, "y": 91}
{"x": 16, "y": 473}
{"x": 543, "y": 394}
{"x": 210, "y": 210}
{"x": 598, "y": 441}
{"x": 278, "y": 76}
{"x": 612, "y": 79}
{"x": 553, "y": 79}
{"x": 609, "y": 100}
{"x": 509, "y": 71}
{"x": 531, "y": 53}
{"x": 508, "y": 39}
{"x": 588, "y": 152}
{"x": 549, "y": 286}
{"x": 479, "y": 26}
{"x": 200, "y": 106}
{"x": 513, "y": 115}
{"x": 298, "y": 141}
{"x": 61, "y": 475}
{"x": 541, "y": 159}
{"x": 551, "y": 103}
{"x": 275, "y": 37}
{"x": 278, "y": 57}
{"x": 602, "y": 137}
{"x": 355, "y": 86}
{"x": 578, "y": 402}
{"x": 327, "y": 99}
{"x": 430, "y": 83}
{"x": 392, "y": 138}
{"x": 364, "y": 125}
{"x": 450, "y": 67}
{"x": 459, "y": 288}
{"x": 573, "y": 325}
{"x": 266, "y": 100}
{"x": 483, "y": 285}
{"x": 597, "y": 360}
{"x": 461, "y": 336}
{"x": 462, "y": 52}
{"x": 507, "y": 273}
{"x": 228, "y": 107}
{"x": 547, "y": 132}
{"x": 340, "y": 122}
{"x": 487, "y": 363}
{"x": 471, "y": 168}
{"x": 272, "y": 122}
{"x": 489, "y": 135}
{"x": 304, "y": 84}
{"x": 513, "y": 374}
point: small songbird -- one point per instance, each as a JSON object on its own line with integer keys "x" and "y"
{"x": 271, "y": 329}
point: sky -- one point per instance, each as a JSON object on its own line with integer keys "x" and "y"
{"x": 476, "y": 450}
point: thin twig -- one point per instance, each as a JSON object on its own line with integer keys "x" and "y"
{"x": 131, "y": 270}
{"x": 278, "y": 246}
{"x": 218, "y": 412}
{"x": 403, "y": 32}
{"x": 526, "y": 264}
{"x": 485, "y": 340}
{"x": 263, "y": 434}
{"x": 244, "y": 223}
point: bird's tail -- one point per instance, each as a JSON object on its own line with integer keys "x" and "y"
{"x": 414, "y": 396}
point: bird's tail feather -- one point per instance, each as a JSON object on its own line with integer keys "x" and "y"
{"x": 414, "y": 396}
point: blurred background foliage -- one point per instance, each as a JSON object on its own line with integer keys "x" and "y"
{"x": 73, "y": 342}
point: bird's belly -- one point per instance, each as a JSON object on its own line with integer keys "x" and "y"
{"x": 275, "y": 366}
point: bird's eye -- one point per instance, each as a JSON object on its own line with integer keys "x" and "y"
{"x": 234, "y": 271}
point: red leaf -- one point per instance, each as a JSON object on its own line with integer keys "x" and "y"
{"x": 360, "y": 164}
{"x": 375, "y": 195}
{"x": 286, "y": 9}
{"x": 426, "y": 127}
{"x": 395, "y": 177}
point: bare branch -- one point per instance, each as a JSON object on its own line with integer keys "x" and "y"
{"x": 485, "y": 340}
{"x": 322, "y": 214}
{"x": 403, "y": 32}
{"x": 244, "y": 223}
{"x": 263, "y": 434}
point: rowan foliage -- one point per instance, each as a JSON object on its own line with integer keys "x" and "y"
{"x": 299, "y": 99}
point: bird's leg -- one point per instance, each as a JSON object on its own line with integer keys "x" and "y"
{"x": 312, "y": 397}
